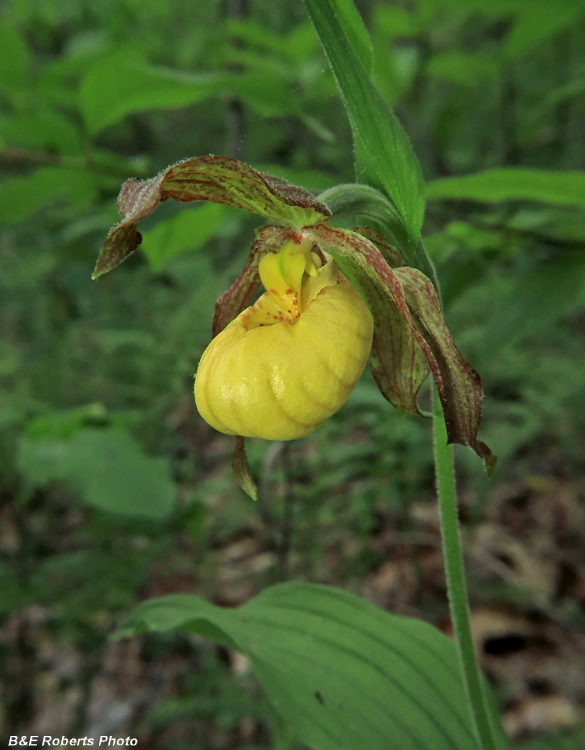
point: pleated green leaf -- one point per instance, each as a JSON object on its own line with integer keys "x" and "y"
{"x": 343, "y": 673}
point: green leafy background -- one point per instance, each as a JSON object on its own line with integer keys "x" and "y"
{"x": 113, "y": 490}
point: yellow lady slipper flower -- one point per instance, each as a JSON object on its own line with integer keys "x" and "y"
{"x": 290, "y": 361}
{"x": 287, "y": 363}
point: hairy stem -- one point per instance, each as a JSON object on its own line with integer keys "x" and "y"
{"x": 456, "y": 586}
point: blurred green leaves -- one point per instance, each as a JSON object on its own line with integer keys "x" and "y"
{"x": 188, "y": 230}
{"x": 104, "y": 466}
{"x": 535, "y": 23}
{"x": 507, "y": 184}
{"x": 45, "y": 129}
{"x": 123, "y": 83}
{"x": 15, "y": 59}
{"x": 22, "y": 196}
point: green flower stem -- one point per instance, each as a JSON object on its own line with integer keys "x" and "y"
{"x": 456, "y": 586}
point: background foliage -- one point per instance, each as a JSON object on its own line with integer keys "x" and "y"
{"x": 114, "y": 490}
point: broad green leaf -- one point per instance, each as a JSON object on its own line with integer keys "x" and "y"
{"x": 123, "y": 83}
{"x": 385, "y": 157}
{"x": 535, "y": 24}
{"x": 217, "y": 179}
{"x": 571, "y": 740}
{"x": 344, "y": 674}
{"x": 406, "y": 293}
{"x": 463, "y": 68}
{"x": 15, "y": 59}
{"x": 265, "y": 91}
{"x": 105, "y": 466}
{"x": 505, "y": 184}
{"x": 22, "y": 196}
{"x": 186, "y": 231}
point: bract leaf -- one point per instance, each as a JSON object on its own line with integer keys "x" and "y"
{"x": 218, "y": 179}
{"x": 401, "y": 374}
{"x": 368, "y": 203}
{"x": 239, "y": 296}
{"x": 241, "y": 469}
{"x": 385, "y": 157}
{"x": 354, "y": 199}
{"x": 351, "y": 22}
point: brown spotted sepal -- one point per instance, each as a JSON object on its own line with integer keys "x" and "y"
{"x": 410, "y": 335}
{"x": 217, "y": 179}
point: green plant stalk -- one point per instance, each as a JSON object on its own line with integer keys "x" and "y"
{"x": 455, "y": 573}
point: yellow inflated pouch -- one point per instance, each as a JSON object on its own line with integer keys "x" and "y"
{"x": 290, "y": 361}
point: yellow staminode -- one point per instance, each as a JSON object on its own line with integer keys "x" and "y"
{"x": 287, "y": 363}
